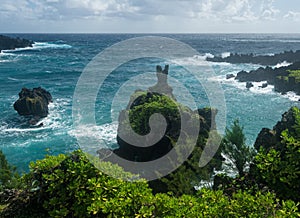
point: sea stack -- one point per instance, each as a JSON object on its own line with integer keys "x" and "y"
{"x": 33, "y": 102}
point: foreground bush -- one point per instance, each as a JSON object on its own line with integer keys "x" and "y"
{"x": 70, "y": 186}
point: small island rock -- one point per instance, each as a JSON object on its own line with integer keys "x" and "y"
{"x": 33, "y": 102}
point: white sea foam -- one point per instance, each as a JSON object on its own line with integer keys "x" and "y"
{"x": 99, "y": 136}
{"x": 54, "y": 120}
{"x": 225, "y": 54}
{"x": 37, "y": 129}
{"x": 292, "y": 96}
{"x": 4, "y": 61}
{"x": 257, "y": 88}
{"x": 282, "y": 64}
{"x": 13, "y": 79}
{"x": 198, "y": 60}
{"x": 37, "y": 46}
{"x": 266, "y": 40}
{"x": 231, "y": 81}
{"x": 41, "y": 45}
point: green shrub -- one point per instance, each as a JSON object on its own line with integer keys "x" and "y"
{"x": 279, "y": 167}
{"x": 70, "y": 186}
{"x": 234, "y": 146}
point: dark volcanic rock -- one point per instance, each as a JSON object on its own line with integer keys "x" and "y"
{"x": 288, "y": 56}
{"x": 162, "y": 85}
{"x": 279, "y": 77}
{"x": 33, "y": 102}
{"x": 249, "y": 85}
{"x": 8, "y": 43}
{"x": 157, "y": 100}
{"x": 272, "y": 138}
{"x": 229, "y": 76}
{"x": 261, "y": 74}
{"x": 265, "y": 85}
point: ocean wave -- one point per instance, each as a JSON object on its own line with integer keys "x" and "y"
{"x": 198, "y": 60}
{"x": 232, "y": 82}
{"x": 292, "y": 96}
{"x": 257, "y": 88}
{"x": 99, "y": 136}
{"x": 54, "y": 121}
{"x": 282, "y": 64}
{"x": 266, "y": 40}
{"x": 4, "y": 61}
{"x": 42, "y": 45}
{"x": 225, "y": 54}
{"x": 37, "y": 46}
{"x": 33, "y": 129}
{"x": 13, "y": 79}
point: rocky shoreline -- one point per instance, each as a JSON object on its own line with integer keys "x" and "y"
{"x": 8, "y": 43}
{"x": 267, "y": 60}
{"x": 284, "y": 79}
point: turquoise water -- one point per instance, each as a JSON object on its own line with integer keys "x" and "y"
{"x": 57, "y": 60}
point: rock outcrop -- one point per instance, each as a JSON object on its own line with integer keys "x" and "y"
{"x": 33, "y": 102}
{"x": 287, "y": 56}
{"x": 162, "y": 85}
{"x": 8, "y": 43}
{"x": 284, "y": 79}
{"x": 249, "y": 85}
{"x": 229, "y": 76}
{"x": 272, "y": 138}
{"x": 136, "y": 119}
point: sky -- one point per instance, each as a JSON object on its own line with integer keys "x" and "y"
{"x": 150, "y": 16}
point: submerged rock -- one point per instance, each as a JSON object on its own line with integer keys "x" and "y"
{"x": 264, "y": 85}
{"x": 249, "y": 85}
{"x": 229, "y": 76}
{"x": 33, "y": 102}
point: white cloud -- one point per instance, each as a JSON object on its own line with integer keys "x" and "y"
{"x": 268, "y": 11}
{"x": 166, "y": 15}
{"x": 292, "y": 16}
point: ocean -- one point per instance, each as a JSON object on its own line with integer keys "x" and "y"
{"x": 56, "y": 61}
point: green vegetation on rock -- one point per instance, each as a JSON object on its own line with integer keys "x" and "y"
{"x": 279, "y": 166}
{"x": 295, "y": 74}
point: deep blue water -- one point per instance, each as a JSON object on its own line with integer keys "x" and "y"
{"x": 57, "y": 60}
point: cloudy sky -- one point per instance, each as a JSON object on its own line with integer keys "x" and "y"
{"x": 150, "y": 16}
